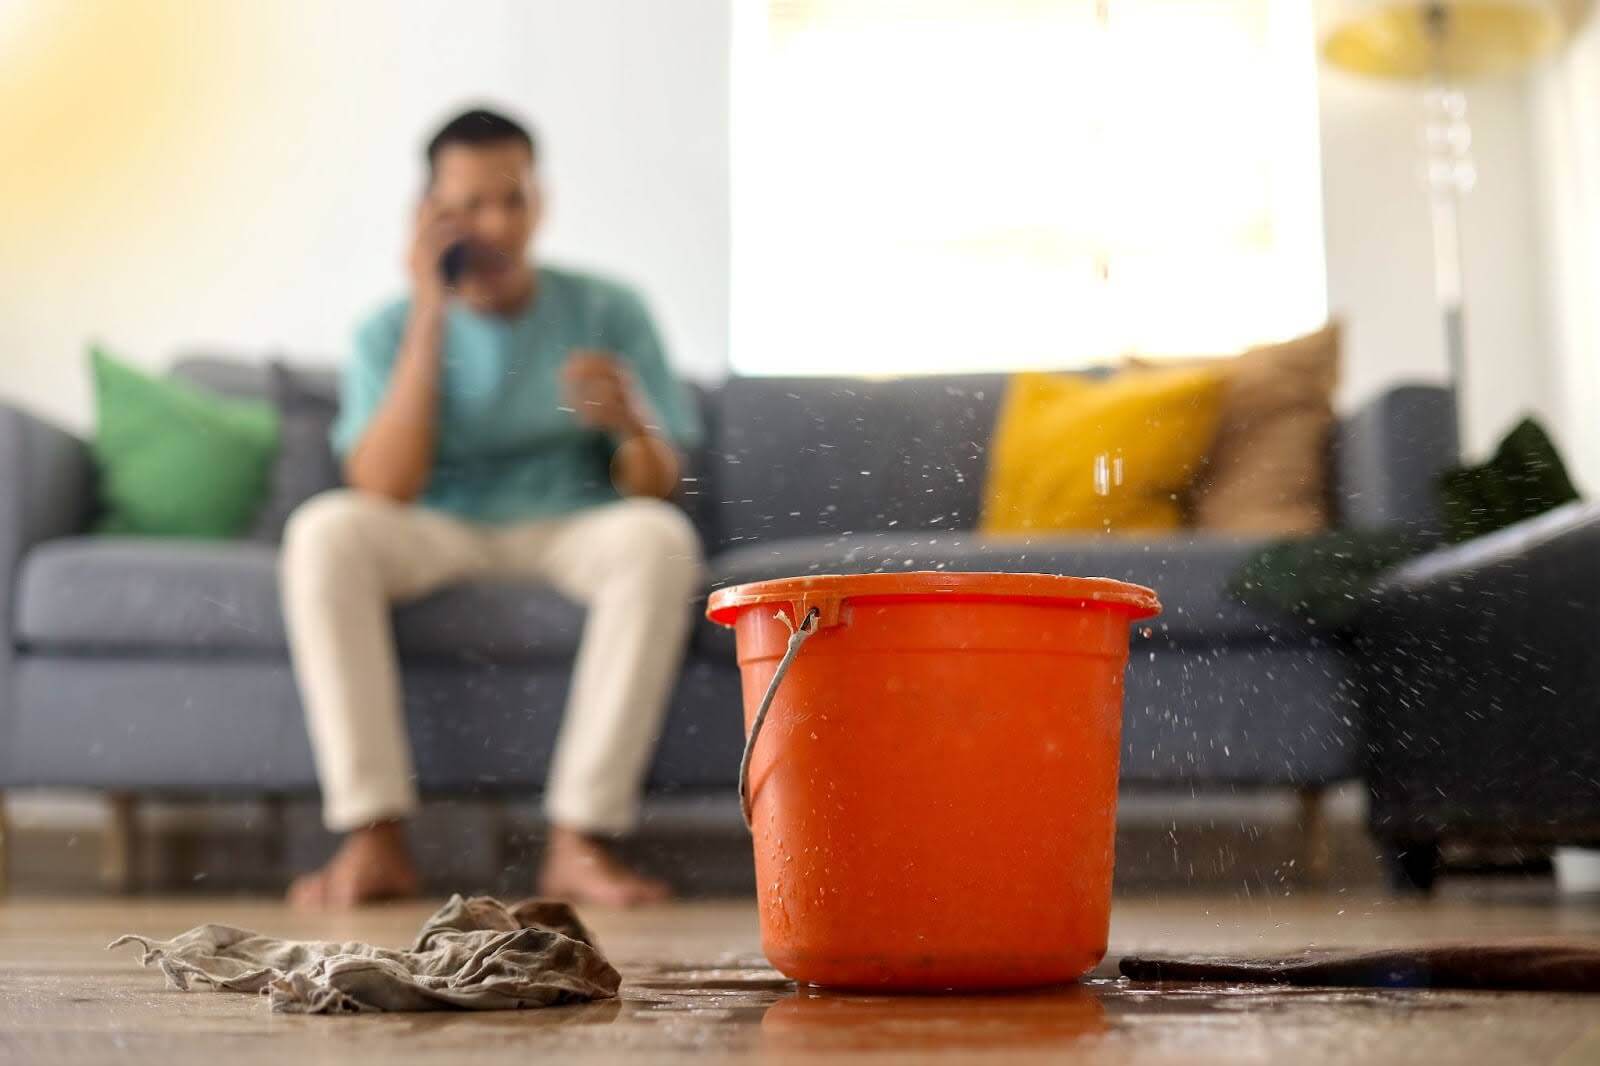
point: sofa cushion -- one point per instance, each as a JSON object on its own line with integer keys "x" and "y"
{"x": 695, "y": 494}
{"x": 800, "y": 456}
{"x": 1189, "y": 572}
{"x": 1267, "y": 467}
{"x": 305, "y": 465}
{"x": 318, "y": 386}
{"x": 128, "y": 595}
{"x": 174, "y": 460}
{"x": 249, "y": 376}
{"x": 1075, "y": 455}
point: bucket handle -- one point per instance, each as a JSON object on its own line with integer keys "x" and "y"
{"x": 798, "y": 635}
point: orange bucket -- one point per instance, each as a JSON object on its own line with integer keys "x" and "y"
{"x": 932, "y": 788}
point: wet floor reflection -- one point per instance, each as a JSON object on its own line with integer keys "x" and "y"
{"x": 775, "y": 1014}
{"x": 814, "y": 1019}
{"x": 697, "y": 991}
{"x": 749, "y": 1007}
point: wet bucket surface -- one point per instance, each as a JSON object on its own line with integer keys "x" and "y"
{"x": 934, "y": 791}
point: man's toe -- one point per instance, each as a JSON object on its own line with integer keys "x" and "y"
{"x": 309, "y": 891}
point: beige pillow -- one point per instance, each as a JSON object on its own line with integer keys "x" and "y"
{"x": 1267, "y": 471}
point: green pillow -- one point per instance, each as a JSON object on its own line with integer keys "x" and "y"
{"x": 175, "y": 461}
{"x": 1523, "y": 479}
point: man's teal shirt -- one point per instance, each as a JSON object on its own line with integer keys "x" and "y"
{"x": 508, "y": 448}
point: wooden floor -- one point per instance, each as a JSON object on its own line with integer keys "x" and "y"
{"x": 697, "y": 991}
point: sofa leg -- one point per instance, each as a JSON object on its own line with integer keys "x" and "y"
{"x": 1412, "y": 866}
{"x": 119, "y": 848}
{"x": 275, "y": 833}
{"x": 5, "y": 848}
{"x": 506, "y": 849}
{"x": 1316, "y": 852}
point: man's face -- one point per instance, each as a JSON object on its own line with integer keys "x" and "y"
{"x": 491, "y": 191}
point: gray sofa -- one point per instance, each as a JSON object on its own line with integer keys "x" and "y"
{"x": 1484, "y": 724}
{"x": 155, "y": 666}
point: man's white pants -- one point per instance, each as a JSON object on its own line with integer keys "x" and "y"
{"x": 348, "y": 556}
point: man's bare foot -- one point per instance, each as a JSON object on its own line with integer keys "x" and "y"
{"x": 579, "y": 870}
{"x": 372, "y": 864}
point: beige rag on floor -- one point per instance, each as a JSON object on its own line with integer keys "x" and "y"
{"x": 473, "y": 954}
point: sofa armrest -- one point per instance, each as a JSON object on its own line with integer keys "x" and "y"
{"x": 1480, "y": 687}
{"x": 46, "y": 491}
{"x": 1554, "y": 557}
{"x": 1388, "y": 456}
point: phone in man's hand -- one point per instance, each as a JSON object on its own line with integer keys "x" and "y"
{"x": 453, "y": 263}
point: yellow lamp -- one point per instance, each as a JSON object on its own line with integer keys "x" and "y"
{"x": 1418, "y": 39}
{"x": 1441, "y": 43}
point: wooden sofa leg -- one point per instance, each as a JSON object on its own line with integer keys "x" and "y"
{"x": 1316, "y": 852}
{"x": 275, "y": 833}
{"x": 119, "y": 848}
{"x": 506, "y": 851}
{"x": 5, "y": 848}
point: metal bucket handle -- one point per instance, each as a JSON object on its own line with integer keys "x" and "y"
{"x": 798, "y": 635}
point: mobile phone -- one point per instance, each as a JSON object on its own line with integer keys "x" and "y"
{"x": 453, "y": 263}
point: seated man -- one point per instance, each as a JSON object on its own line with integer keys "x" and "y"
{"x": 506, "y": 420}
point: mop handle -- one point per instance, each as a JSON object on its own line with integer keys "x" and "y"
{"x": 797, "y": 637}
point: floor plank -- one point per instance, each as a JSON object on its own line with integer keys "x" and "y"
{"x": 697, "y": 990}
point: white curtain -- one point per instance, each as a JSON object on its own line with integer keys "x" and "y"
{"x": 994, "y": 184}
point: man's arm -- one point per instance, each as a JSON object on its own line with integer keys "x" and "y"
{"x": 645, "y": 464}
{"x": 657, "y": 417}
{"x": 604, "y": 395}
{"x": 394, "y": 455}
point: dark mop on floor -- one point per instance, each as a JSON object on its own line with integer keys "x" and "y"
{"x": 1549, "y": 966}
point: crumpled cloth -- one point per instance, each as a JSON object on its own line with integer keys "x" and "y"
{"x": 1550, "y": 966}
{"x": 472, "y": 954}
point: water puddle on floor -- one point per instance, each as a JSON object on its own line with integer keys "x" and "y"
{"x": 739, "y": 1005}
{"x": 782, "y": 1016}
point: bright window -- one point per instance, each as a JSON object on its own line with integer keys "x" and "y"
{"x": 940, "y": 185}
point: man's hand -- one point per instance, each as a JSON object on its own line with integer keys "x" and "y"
{"x": 394, "y": 456}
{"x": 600, "y": 391}
{"x": 436, "y": 229}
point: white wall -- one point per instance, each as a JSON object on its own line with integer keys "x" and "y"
{"x": 1380, "y": 252}
{"x": 275, "y": 221}
{"x": 1567, "y": 137}
{"x": 270, "y": 211}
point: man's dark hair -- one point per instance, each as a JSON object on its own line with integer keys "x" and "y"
{"x": 476, "y": 128}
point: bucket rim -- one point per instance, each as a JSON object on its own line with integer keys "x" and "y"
{"x": 1136, "y": 601}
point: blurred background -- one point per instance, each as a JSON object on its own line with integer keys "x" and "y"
{"x": 879, "y": 188}
{"x": 1177, "y": 175}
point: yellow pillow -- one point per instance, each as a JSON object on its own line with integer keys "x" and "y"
{"x": 1107, "y": 455}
